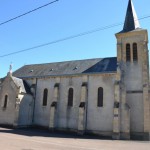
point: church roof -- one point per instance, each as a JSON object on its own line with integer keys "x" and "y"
{"x": 89, "y": 66}
{"x": 22, "y": 84}
{"x": 131, "y": 20}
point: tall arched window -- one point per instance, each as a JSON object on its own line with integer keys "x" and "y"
{"x": 100, "y": 97}
{"x": 5, "y": 101}
{"x": 70, "y": 97}
{"x": 128, "y": 52}
{"x": 135, "y": 55}
{"x": 45, "y": 95}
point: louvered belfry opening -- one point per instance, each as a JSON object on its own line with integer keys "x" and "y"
{"x": 128, "y": 52}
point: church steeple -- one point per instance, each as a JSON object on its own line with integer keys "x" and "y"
{"x": 132, "y": 80}
{"x": 131, "y": 20}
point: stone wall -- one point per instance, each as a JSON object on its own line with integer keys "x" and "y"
{"x": 91, "y": 117}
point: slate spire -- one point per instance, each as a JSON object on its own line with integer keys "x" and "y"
{"x": 131, "y": 20}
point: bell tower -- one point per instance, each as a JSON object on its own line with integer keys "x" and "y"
{"x": 132, "y": 79}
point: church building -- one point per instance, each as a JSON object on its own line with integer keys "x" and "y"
{"x": 103, "y": 96}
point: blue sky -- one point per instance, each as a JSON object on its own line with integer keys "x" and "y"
{"x": 59, "y": 20}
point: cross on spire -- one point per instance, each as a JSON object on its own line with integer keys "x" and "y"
{"x": 10, "y": 68}
{"x": 131, "y": 20}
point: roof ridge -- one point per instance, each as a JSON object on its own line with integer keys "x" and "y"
{"x": 69, "y": 61}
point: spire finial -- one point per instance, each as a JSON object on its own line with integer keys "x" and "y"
{"x": 10, "y": 68}
{"x": 131, "y": 20}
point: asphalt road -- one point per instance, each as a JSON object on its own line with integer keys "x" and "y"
{"x": 34, "y": 139}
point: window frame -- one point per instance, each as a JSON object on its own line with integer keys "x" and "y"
{"x": 70, "y": 97}
{"x": 100, "y": 97}
{"x": 45, "y": 97}
{"x": 5, "y": 104}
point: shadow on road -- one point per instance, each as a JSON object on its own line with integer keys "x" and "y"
{"x": 47, "y": 133}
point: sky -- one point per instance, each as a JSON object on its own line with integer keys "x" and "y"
{"x": 60, "y": 20}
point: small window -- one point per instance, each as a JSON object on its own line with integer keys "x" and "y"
{"x": 128, "y": 53}
{"x": 100, "y": 97}
{"x": 70, "y": 97}
{"x": 135, "y": 56}
{"x": 45, "y": 95}
{"x": 5, "y": 101}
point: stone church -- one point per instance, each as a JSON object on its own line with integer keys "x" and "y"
{"x": 108, "y": 96}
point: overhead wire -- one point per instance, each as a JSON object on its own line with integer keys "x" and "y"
{"x": 60, "y": 40}
{"x": 2, "y": 23}
{"x": 68, "y": 38}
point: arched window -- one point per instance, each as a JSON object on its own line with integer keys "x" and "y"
{"x": 45, "y": 95}
{"x": 70, "y": 97}
{"x": 5, "y": 101}
{"x": 100, "y": 97}
{"x": 135, "y": 56}
{"x": 128, "y": 52}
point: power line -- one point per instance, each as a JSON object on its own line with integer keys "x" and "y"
{"x": 28, "y": 12}
{"x": 68, "y": 38}
{"x": 61, "y": 40}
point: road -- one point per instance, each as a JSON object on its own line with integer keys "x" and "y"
{"x": 35, "y": 139}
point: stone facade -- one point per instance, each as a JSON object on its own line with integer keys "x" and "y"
{"x": 16, "y": 105}
{"x": 108, "y": 97}
{"x": 134, "y": 84}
